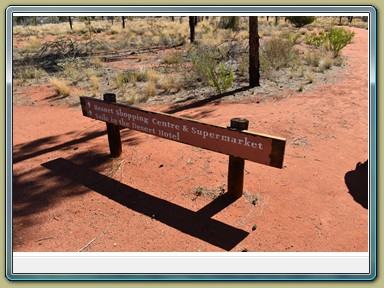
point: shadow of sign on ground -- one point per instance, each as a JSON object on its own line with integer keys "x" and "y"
{"x": 197, "y": 224}
{"x": 357, "y": 183}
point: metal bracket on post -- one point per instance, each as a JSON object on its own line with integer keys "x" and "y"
{"x": 114, "y": 138}
{"x": 236, "y": 164}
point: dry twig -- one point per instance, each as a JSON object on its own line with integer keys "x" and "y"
{"x": 89, "y": 243}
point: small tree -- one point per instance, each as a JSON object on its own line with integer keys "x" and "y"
{"x": 300, "y": 21}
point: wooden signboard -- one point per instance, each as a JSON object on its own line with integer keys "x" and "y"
{"x": 260, "y": 148}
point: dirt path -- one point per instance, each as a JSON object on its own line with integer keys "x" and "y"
{"x": 67, "y": 191}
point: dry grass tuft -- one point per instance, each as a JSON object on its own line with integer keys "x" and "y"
{"x": 150, "y": 90}
{"x": 95, "y": 84}
{"x": 153, "y": 75}
{"x": 310, "y": 77}
{"x": 61, "y": 87}
{"x": 171, "y": 83}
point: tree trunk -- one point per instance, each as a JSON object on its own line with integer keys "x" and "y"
{"x": 70, "y": 21}
{"x": 192, "y": 24}
{"x": 254, "y": 62}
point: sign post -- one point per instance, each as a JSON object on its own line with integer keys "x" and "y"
{"x": 235, "y": 140}
{"x": 236, "y": 164}
{"x": 113, "y": 130}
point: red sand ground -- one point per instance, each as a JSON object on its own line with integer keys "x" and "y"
{"x": 68, "y": 192}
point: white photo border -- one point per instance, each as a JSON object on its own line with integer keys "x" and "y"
{"x": 171, "y": 10}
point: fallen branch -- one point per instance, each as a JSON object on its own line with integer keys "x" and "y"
{"x": 89, "y": 243}
{"x": 110, "y": 173}
{"x": 299, "y": 138}
{"x": 45, "y": 238}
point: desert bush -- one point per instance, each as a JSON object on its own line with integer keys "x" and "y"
{"x": 96, "y": 61}
{"x": 141, "y": 75}
{"x": 171, "y": 83}
{"x": 313, "y": 57}
{"x": 171, "y": 39}
{"x": 33, "y": 45}
{"x": 72, "y": 70}
{"x": 208, "y": 67}
{"x": 113, "y": 30}
{"x": 123, "y": 78}
{"x": 61, "y": 87}
{"x": 28, "y": 72}
{"x": 268, "y": 30}
{"x": 203, "y": 58}
{"x": 243, "y": 64}
{"x": 172, "y": 58}
{"x": 131, "y": 76}
{"x": 276, "y": 53}
{"x": 292, "y": 37}
{"x": 300, "y": 21}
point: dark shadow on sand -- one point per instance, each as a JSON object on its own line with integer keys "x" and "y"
{"x": 197, "y": 224}
{"x": 357, "y": 183}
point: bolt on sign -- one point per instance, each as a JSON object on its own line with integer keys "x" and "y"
{"x": 260, "y": 148}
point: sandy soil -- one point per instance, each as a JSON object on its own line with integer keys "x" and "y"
{"x": 166, "y": 196}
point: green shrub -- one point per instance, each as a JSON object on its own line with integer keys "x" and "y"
{"x": 294, "y": 38}
{"x": 337, "y": 39}
{"x": 203, "y": 58}
{"x": 316, "y": 40}
{"x": 208, "y": 67}
{"x": 300, "y": 21}
{"x": 334, "y": 40}
{"x": 221, "y": 78}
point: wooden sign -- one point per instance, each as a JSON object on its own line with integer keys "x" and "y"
{"x": 263, "y": 149}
